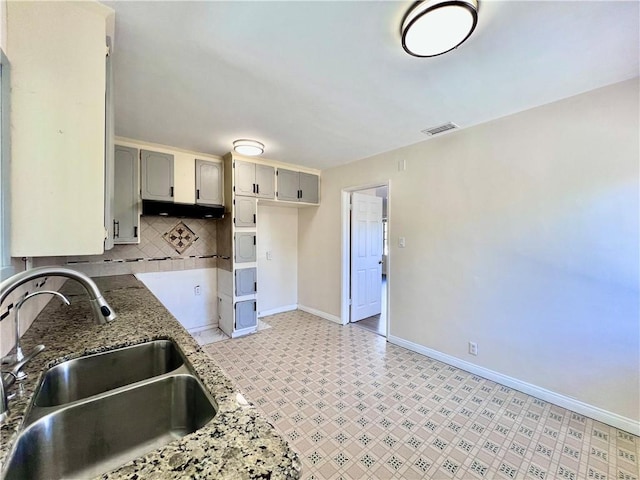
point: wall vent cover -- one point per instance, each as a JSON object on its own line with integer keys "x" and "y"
{"x": 440, "y": 129}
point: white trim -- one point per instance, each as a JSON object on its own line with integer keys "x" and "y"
{"x": 244, "y": 331}
{"x": 202, "y": 328}
{"x": 321, "y": 314}
{"x": 345, "y": 280}
{"x": 610, "y": 418}
{"x": 345, "y": 264}
{"x": 273, "y": 311}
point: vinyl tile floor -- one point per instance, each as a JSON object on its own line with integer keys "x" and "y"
{"x": 356, "y": 407}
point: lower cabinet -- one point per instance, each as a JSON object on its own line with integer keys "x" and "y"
{"x": 246, "y": 281}
{"x": 246, "y": 315}
{"x": 237, "y": 308}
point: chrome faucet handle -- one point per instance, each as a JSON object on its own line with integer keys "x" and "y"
{"x": 15, "y": 368}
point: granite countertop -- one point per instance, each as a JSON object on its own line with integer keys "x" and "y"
{"x": 238, "y": 443}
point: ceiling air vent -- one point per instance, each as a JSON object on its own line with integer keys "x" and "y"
{"x": 440, "y": 129}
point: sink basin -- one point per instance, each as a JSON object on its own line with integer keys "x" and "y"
{"x": 87, "y": 438}
{"x": 93, "y": 374}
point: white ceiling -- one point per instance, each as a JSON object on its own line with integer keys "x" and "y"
{"x": 325, "y": 83}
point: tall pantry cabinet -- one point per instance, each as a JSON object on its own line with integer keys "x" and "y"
{"x": 244, "y": 183}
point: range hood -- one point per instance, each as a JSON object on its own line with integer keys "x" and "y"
{"x": 181, "y": 210}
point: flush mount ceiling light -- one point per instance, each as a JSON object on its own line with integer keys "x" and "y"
{"x": 434, "y": 27}
{"x": 250, "y": 148}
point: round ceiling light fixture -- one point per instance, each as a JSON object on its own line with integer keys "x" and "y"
{"x": 434, "y": 27}
{"x": 247, "y": 147}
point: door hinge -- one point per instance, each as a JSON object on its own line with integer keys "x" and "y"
{"x": 350, "y": 303}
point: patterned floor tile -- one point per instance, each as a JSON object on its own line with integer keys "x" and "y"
{"x": 356, "y": 407}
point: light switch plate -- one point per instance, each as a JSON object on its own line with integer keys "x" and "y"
{"x": 401, "y": 242}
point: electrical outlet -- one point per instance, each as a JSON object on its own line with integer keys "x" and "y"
{"x": 196, "y": 290}
{"x": 269, "y": 255}
{"x": 473, "y": 348}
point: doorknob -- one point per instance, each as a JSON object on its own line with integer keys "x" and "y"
{"x": 380, "y": 262}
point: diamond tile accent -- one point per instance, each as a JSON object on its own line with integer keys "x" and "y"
{"x": 180, "y": 237}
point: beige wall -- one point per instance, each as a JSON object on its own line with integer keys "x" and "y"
{"x": 521, "y": 235}
{"x": 278, "y": 276}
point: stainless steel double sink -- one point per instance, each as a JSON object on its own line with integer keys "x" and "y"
{"x": 92, "y": 414}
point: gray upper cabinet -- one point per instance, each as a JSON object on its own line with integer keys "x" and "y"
{"x": 245, "y": 178}
{"x": 208, "y": 182}
{"x": 254, "y": 180}
{"x": 265, "y": 181}
{"x": 297, "y": 186}
{"x": 309, "y": 188}
{"x": 126, "y": 219}
{"x": 288, "y": 185}
{"x": 157, "y": 176}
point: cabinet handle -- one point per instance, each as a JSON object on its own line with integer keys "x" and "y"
{"x": 254, "y": 188}
{"x": 254, "y": 218}
{"x": 254, "y": 239}
{"x": 299, "y": 193}
{"x": 116, "y": 229}
{"x": 135, "y": 232}
{"x": 197, "y": 194}
{"x": 257, "y": 188}
{"x": 255, "y": 286}
{"x": 171, "y": 191}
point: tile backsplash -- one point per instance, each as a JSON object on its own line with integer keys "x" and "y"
{"x": 156, "y": 251}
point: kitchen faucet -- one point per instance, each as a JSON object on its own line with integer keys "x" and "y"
{"x": 19, "y": 355}
{"x": 102, "y": 313}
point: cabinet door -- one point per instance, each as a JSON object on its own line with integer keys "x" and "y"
{"x": 208, "y": 182}
{"x": 245, "y": 178}
{"x": 245, "y": 281}
{"x": 225, "y": 314}
{"x": 265, "y": 181}
{"x": 157, "y": 176}
{"x": 246, "y": 315}
{"x": 126, "y": 217}
{"x": 245, "y": 247}
{"x": 245, "y": 212}
{"x": 309, "y": 187}
{"x": 288, "y": 185}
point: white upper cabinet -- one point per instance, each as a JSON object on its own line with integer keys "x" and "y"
{"x": 57, "y": 52}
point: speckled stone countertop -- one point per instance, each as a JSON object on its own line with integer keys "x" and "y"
{"x": 236, "y": 444}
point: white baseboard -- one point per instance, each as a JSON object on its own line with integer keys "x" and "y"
{"x": 321, "y": 314}
{"x": 244, "y": 331}
{"x": 597, "y": 413}
{"x": 273, "y": 311}
{"x": 208, "y": 326}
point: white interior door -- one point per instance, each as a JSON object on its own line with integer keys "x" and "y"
{"x": 366, "y": 256}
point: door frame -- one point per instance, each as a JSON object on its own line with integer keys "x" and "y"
{"x": 345, "y": 283}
